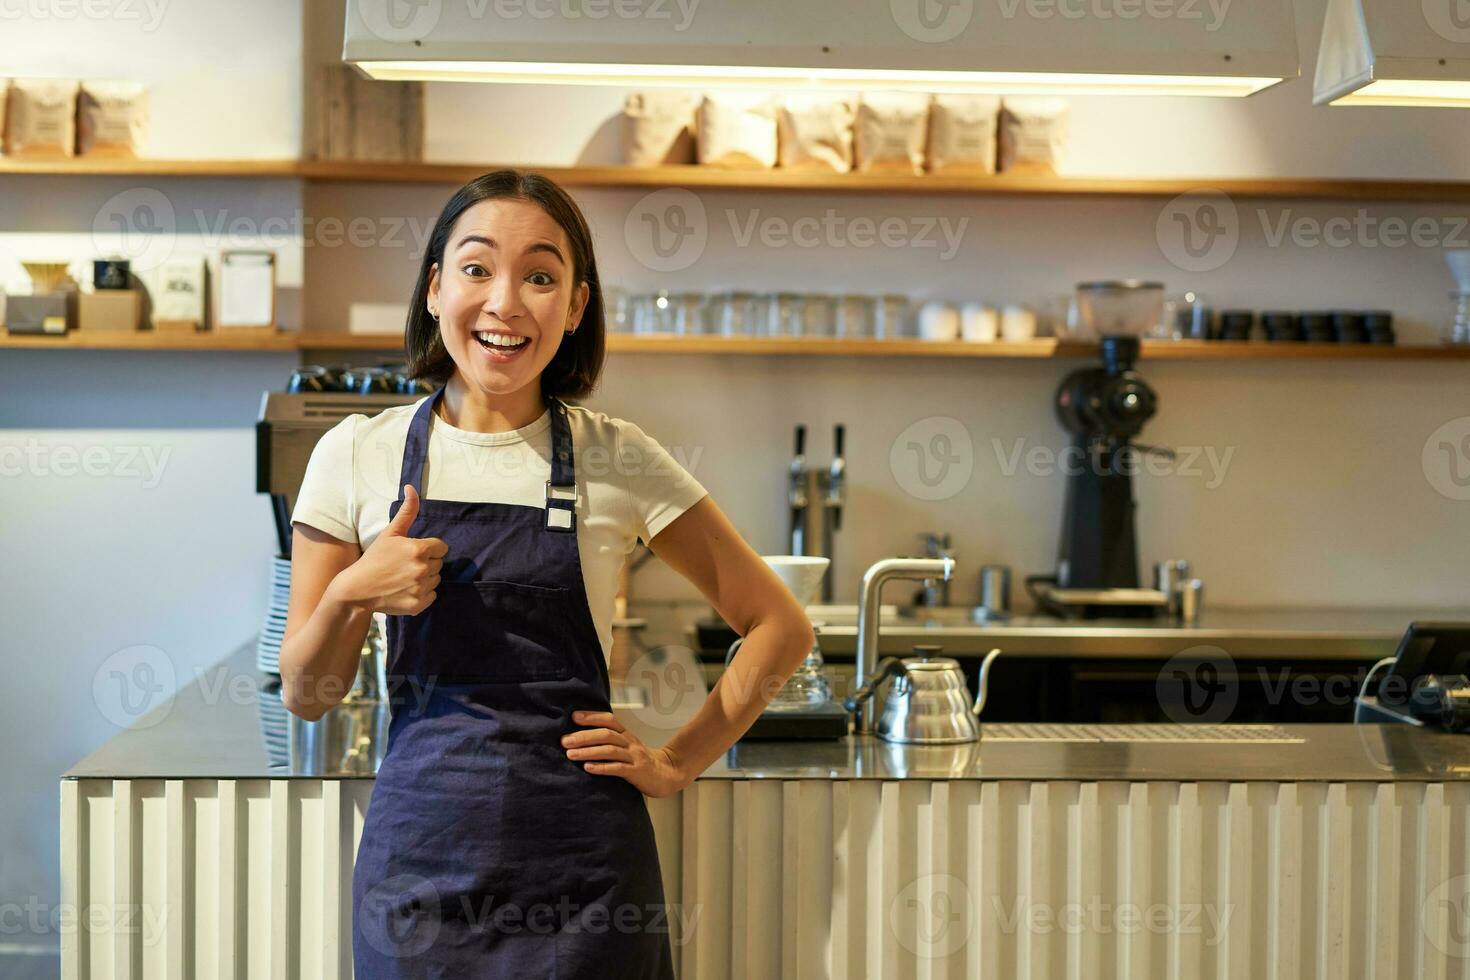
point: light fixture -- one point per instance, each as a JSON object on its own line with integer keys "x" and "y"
{"x": 1387, "y": 52}
{"x": 1086, "y": 47}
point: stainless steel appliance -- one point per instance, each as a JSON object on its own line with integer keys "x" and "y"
{"x": 286, "y": 431}
{"x": 870, "y": 602}
{"x": 816, "y": 496}
{"x": 928, "y": 703}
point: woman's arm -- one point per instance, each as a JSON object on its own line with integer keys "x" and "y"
{"x": 324, "y": 635}
{"x": 703, "y": 546}
{"x": 335, "y": 589}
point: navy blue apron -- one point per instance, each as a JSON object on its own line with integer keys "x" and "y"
{"x": 486, "y": 852}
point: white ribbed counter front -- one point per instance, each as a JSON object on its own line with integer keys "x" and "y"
{"x": 1305, "y": 851}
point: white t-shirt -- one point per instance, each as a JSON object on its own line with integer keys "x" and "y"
{"x": 628, "y": 486}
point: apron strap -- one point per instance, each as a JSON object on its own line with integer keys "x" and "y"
{"x": 561, "y": 489}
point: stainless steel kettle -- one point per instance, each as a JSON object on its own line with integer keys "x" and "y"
{"x": 929, "y": 703}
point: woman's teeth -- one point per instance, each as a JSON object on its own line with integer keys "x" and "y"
{"x": 499, "y": 341}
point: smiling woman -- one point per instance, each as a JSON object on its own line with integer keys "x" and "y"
{"x": 507, "y": 833}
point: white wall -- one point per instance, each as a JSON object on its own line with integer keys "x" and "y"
{"x": 1325, "y": 499}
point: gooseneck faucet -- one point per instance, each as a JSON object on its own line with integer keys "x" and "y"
{"x": 870, "y": 602}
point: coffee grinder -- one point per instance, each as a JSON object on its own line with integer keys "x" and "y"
{"x": 1105, "y": 408}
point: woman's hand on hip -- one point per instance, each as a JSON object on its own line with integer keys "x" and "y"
{"x": 397, "y": 574}
{"x": 606, "y": 748}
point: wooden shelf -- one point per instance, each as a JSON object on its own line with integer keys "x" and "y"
{"x": 714, "y": 178}
{"x": 103, "y": 167}
{"x": 238, "y": 340}
{"x": 1039, "y": 349}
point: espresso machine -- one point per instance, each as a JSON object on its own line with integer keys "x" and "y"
{"x": 1105, "y": 408}
{"x": 815, "y": 495}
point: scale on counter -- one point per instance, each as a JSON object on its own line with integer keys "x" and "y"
{"x": 803, "y": 707}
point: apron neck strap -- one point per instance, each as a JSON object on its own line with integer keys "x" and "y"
{"x": 561, "y": 489}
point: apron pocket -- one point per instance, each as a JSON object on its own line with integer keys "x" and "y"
{"x": 499, "y": 632}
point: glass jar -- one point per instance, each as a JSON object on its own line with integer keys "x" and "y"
{"x": 687, "y": 313}
{"x": 1459, "y": 331}
{"x": 735, "y": 314}
{"x": 853, "y": 317}
{"x": 617, "y": 309}
{"x": 817, "y": 315}
{"x": 652, "y": 314}
{"x": 890, "y": 316}
{"x": 780, "y": 315}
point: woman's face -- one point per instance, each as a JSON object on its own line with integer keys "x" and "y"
{"x": 505, "y": 294}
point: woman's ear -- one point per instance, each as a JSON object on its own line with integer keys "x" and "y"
{"x": 579, "y": 306}
{"x": 433, "y": 290}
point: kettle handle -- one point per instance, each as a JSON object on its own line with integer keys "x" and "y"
{"x": 886, "y": 666}
{"x": 982, "y": 683}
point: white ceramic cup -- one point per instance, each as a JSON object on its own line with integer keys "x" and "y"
{"x": 979, "y": 323}
{"x": 939, "y": 321}
{"x": 1017, "y": 323}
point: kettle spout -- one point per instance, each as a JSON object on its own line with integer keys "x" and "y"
{"x": 982, "y": 684}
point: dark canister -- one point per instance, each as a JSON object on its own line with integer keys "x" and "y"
{"x": 1281, "y": 325}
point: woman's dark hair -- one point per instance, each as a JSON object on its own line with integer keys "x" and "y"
{"x": 574, "y": 370}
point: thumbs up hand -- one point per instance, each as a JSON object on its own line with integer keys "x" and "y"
{"x": 397, "y": 574}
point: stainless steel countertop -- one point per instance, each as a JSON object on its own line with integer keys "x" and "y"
{"x": 215, "y": 728}
{"x": 1244, "y": 633}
